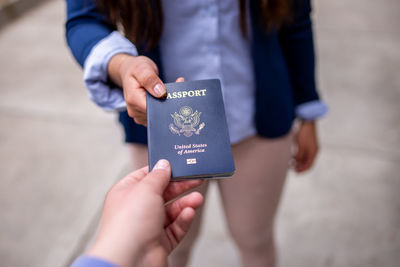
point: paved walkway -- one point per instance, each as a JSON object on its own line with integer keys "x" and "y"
{"x": 59, "y": 153}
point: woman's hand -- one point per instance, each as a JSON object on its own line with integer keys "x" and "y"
{"x": 136, "y": 75}
{"x": 307, "y": 146}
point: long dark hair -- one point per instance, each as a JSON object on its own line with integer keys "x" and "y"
{"x": 142, "y": 20}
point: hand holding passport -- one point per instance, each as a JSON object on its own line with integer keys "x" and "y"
{"x": 189, "y": 129}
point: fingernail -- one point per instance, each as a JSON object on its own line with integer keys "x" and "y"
{"x": 162, "y": 164}
{"x": 159, "y": 90}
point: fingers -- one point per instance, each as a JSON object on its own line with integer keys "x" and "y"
{"x": 159, "y": 180}
{"x": 135, "y": 98}
{"x": 193, "y": 200}
{"x": 305, "y": 159}
{"x": 175, "y": 189}
{"x": 141, "y": 75}
{"x": 180, "y": 215}
{"x": 178, "y": 229}
{"x": 147, "y": 75}
{"x": 132, "y": 178}
{"x": 308, "y": 160}
{"x": 159, "y": 177}
{"x": 299, "y": 159}
{"x": 134, "y": 94}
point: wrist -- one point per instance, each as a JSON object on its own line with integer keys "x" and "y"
{"x": 308, "y": 122}
{"x": 302, "y": 123}
{"x": 115, "y": 252}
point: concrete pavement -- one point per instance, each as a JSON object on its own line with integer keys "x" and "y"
{"x": 12, "y": 9}
{"x": 59, "y": 153}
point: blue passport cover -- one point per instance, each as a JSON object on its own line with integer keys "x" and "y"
{"x": 189, "y": 129}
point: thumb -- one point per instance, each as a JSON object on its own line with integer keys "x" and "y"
{"x": 159, "y": 177}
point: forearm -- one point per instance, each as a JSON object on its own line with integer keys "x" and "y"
{"x": 297, "y": 45}
{"x": 296, "y": 40}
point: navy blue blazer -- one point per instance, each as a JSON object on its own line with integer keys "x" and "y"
{"x": 284, "y": 63}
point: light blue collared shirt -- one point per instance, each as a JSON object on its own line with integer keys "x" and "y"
{"x": 201, "y": 40}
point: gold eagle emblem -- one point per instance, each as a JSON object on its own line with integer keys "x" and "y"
{"x": 186, "y": 121}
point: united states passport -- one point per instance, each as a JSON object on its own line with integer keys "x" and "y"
{"x": 189, "y": 129}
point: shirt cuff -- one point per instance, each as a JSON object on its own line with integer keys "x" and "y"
{"x": 87, "y": 261}
{"x": 312, "y": 110}
{"x": 101, "y": 91}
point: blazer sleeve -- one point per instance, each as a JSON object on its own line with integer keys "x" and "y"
{"x": 85, "y": 27}
{"x": 296, "y": 39}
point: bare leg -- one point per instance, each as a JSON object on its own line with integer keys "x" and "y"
{"x": 251, "y": 197}
{"x": 138, "y": 154}
{"x": 180, "y": 256}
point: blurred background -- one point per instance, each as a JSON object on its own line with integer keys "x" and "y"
{"x": 59, "y": 153}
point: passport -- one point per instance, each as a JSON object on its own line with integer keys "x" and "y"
{"x": 189, "y": 129}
